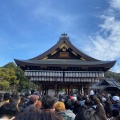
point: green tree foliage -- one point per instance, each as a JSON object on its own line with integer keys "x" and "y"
{"x": 23, "y": 81}
{"x": 12, "y": 77}
{"x": 4, "y": 85}
{"x": 7, "y": 76}
{"x": 10, "y": 65}
{"x": 115, "y": 76}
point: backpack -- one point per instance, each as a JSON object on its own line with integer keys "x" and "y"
{"x": 66, "y": 117}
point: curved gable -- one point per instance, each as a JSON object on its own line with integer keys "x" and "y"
{"x": 64, "y": 50}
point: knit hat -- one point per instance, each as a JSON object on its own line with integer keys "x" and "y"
{"x": 115, "y": 98}
{"x": 59, "y": 106}
{"x": 91, "y": 92}
{"x": 34, "y": 98}
{"x": 71, "y": 97}
{"x": 37, "y": 93}
{"x": 103, "y": 99}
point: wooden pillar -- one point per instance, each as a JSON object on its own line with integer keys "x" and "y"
{"x": 71, "y": 89}
{"x": 42, "y": 90}
{"x": 39, "y": 88}
{"x": 45, "y": 90}
{"x": 55, "y": 88}
{"x": 66, "y": 89}
{"x": 87, "y": 90}
{"x": 79, "y": 91}
{"x": 82, "y": 89}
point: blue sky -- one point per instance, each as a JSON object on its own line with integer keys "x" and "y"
{"x": 30, "y": 27}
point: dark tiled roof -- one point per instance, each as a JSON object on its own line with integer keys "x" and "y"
{"x": 71, "y": 62}
{"x": 111, "y": 83}
{"x": 80, "y": 59}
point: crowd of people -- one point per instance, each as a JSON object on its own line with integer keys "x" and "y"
{"x": 93, "y": 106}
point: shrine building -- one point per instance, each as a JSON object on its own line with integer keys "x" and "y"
{"x": 64, "y": 66}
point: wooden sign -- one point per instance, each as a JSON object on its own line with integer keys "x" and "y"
{"x": 64, "y": 55}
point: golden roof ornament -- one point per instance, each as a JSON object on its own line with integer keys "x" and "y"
{"x": 64, "y": 36}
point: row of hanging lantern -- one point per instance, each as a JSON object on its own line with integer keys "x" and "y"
{"x": 44, "y": 73}
{"x": 84, "y": 74}
{"x": 46, "y": 79}
{"x": 65, "y": 79}
{"x": 66, "y": 73}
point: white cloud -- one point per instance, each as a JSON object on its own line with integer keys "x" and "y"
{"x": 106, "y": 43}
{"x": 115, "y": 4}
